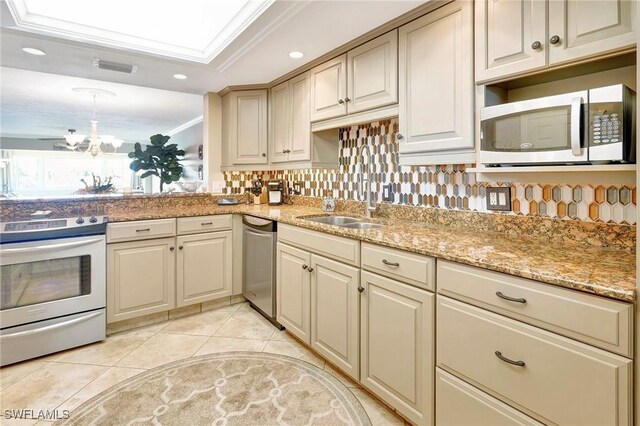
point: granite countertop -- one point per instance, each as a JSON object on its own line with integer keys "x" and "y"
{"x": 609, "y": 273}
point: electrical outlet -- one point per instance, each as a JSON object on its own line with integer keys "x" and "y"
{"x": 499, "y": 198}
{"x": 387, "y": 193}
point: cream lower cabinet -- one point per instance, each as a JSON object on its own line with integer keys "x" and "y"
{"x": 140, "y": 278}
{"x": 397, "y": 345}
{"x": 204, "y": 267}
{"x": 317, "y": 301}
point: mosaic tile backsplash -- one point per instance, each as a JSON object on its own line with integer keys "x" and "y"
{"x": 449, "y": 187}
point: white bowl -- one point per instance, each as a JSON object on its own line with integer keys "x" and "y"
{"x": 189, "y": 186}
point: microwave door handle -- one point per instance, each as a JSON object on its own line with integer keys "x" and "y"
{"x": 576, "y": 105}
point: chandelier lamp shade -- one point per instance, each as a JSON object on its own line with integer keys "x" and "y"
{"x": 94, "y": 144}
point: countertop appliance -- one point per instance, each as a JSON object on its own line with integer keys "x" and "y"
{"x": 277, "y": 191}
{"x": 53, "y": 286}
{"x": 595, "y": 126}
{"x": 259, "y": 265}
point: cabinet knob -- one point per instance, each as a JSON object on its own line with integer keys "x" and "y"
{"x": 264, "y": 154}
{"x": 180, "y": 247}
{"x": 360, "y": 288}
{"x": 347, "y": 99}
{"x": 304, "y": 266}
{"x": 340, "y": 101}
{"x": 536, "y": 45}
{"x": 399, "y": 136}
{"x": 172, "y": 248}
{"x": 310, "y": 269}
{"x": 554, "y": 39}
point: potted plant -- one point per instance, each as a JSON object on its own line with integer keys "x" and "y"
{"x": 158, "y": 159}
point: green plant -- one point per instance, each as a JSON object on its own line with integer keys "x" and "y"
{"x": 158, "y": 159}
{"x": 98, "y": 187}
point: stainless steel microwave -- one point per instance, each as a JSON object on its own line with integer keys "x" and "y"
{"x": 595, "y": 126}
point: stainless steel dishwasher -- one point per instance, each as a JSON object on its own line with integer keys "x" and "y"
{"x": 259, "y": 265}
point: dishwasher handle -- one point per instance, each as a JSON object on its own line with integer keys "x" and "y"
{"x": 259, "y": 223}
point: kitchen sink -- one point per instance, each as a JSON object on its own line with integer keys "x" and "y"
{"x": 344, "y": 222}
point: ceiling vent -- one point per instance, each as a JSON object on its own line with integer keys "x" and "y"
{"x": 115, "y": 66}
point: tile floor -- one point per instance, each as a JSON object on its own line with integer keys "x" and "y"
{"x": 66, "y": 379}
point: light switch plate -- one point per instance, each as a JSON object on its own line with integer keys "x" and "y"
{"x": 499, "y": 198}
{"x": 387, "y": 193}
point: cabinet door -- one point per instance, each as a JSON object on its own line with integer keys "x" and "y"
{"x": 506, "y": 31}
{"x": 372, "y": 73}
{"x": 248, "y": 133}
{"x": 587, "y": 28}
{"x": 397, "y": 344}
{"x": 204, "y": 267}
{"x": 335, "y": 313}
{"x": 140, "y": 278}
{"x": 293, "y": 291}
{"x": 300, "y": 139}
{"x": 436, "y": 81}
{"x": 328, "y": 89}
{"x": 280, "y": 123}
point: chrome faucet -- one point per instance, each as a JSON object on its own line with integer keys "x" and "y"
{"x": 365, "y": 183}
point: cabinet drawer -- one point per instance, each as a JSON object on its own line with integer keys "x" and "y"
{"x": 557, "y": 381}
{"x": 601, "y": 322}
{"x": 140, "y": 230}
{"x": 408, "y": 267}
{"x": 339, "y": 248}
{"x": 460, "y": 404}
{"x": 193, "y": 225}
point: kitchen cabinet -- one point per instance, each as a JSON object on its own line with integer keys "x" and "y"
{"x": 364, "y": 78}
{"x": 397, "y": 345}
{"x": 293, "y": 291}
{"x": 147, "y": 274}
{"x": 335, "y": 307}
{"x": 244, "y": 121}
{"x": 436, "y": 87}
{"x": 290, "y": 128}
{"x": 140, "y": 278}
{"x": 516, "y": 37}
{"x": 204, "y": 267}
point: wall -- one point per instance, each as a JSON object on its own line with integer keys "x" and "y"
{"x": 189, "y": 139}
{"x": 449, "y": 187}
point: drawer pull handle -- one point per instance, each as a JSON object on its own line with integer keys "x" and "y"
{"x": 509, "y": 361}
{"x": 386, "y": 262}
{"x": 206, "y": 223}
{"x": 511, "y": 299}
{"x": 143, "y": 230}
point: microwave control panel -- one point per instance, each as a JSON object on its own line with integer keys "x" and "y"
{"x": 606, "y": 124}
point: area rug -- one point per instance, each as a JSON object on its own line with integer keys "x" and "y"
{"x": 232, "y": 388}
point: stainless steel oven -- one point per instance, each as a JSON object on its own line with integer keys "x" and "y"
{"x": 590, "y": 126}
{"x": 53, "y": 286}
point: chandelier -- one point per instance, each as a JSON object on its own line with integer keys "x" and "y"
{"x": 95, "y": 144}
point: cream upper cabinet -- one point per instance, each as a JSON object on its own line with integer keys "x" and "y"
{"x": 518, "y": 36}
{"x": 580, "y": 29}
{"x": 133, "y": 289}
{"x": 397, "y": 345}
{"x": 335, "y": 313}
{"x": 436, "y": 87}
{"x": 204, "y": 267}
{"x": 293, "y": 291}
{"x": 372, "y": 74}
{"x": 510, "y": 37}
{"x": 290, "y": 128}
{"x": 328, "y": 89}
{"x": 245, "y": 116}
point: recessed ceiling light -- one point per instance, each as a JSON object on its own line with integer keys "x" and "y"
{"x": 180, "y": 76}
{"x": 296, "y": 55}
{"x": 34, "y": 51}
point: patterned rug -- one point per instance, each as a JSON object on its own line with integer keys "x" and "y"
{"x": 233, "y": 388}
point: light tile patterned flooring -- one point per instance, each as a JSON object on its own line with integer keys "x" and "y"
{"x": 66, "y": 379}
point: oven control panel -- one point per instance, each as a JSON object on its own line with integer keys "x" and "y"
{"x": 34, "y": 225}
{"x": 45, "y": 229}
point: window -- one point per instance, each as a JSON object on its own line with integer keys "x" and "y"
{"x": 59, "y": 173}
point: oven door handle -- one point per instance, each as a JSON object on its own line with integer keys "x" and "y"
{"x": 50, "y": 327}
{"x": 576, "y": 148}
{"x": 48, "y": 247}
